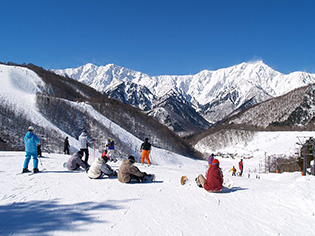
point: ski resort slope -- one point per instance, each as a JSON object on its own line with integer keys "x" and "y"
{"x": 60, "y": 202}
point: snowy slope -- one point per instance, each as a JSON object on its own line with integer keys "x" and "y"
{"x": 59, "y": 202}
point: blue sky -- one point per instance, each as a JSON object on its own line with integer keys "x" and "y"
{"x": 159, "y": 36}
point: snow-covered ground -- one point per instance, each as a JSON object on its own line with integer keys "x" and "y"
{"x": 60, "y": 202}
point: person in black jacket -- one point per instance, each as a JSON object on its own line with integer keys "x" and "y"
{"x": 145, "y": 148}
{"x": 66, "y": 146}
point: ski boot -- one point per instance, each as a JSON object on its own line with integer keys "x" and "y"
{"x": 25, "y": 170}
{"x": 35, "y": 170}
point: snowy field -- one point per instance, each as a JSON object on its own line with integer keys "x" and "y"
{"x": 59, "y": 202}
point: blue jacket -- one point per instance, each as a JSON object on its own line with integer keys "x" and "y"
{"x": 31, "y": 141}
{"x": 111, "y": 144}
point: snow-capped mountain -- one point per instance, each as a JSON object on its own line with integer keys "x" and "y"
{"x": 214, "y": 94}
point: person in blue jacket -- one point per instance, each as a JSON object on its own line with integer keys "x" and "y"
{"x": 31, "y": 141}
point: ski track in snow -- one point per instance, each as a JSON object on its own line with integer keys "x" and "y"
{"x": 60, "y": 202}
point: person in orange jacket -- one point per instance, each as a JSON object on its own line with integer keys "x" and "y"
{"x": 145, "y": 148}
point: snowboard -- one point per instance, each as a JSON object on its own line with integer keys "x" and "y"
{"x": 150, "y": 178}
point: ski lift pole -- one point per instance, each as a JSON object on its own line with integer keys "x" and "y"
{"x": 304, "y": 160}
{"x": 94, "y": 150}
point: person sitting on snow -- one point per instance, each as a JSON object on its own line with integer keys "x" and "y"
{"x": 128, "y": 172}
{"x": 214, "y": 180}
{"x": 100, "y": 168}
{"x": 75, "y": 161}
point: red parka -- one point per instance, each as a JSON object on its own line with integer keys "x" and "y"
{"x": 214, "y": 179}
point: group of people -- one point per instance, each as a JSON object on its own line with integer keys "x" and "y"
{"x": 127, "y": 172}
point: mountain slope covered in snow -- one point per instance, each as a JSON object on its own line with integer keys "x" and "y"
{"x": 60, "y": 107}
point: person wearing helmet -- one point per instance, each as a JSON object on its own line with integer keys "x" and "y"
{"x": 214, "y": 180}
{"x": 31, "y": 141}
{"x": 145, "y": 148}
{"x": 128, "y": 172}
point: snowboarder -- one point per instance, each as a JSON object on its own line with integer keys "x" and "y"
{"x": 84, "y": 141}
{"x": 233, "y": 171}
{"x": 31, "y": 141}
{"x": 75, "y": 162}
{"x": 111, "y": 150}
{"x": 66, "y": 146}
{"x": 241, "y": 166}
{"x": 100, "y": 168}
{"x": 210, "y": 159}
{"x": 128, "y": 172}
{"x": 145, "y": 148}
{"x": 214, "y": 178}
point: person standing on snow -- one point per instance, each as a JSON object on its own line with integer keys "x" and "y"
{"x": 214, "y": 178}
{"x": 75, "y": 161}
{"x": 66, "y": 146}
{"x": 31, "y": 141}
{"x": 145, "y": 148}
{"x": 128, "y": 172}
{"x": 111, "y": 150}
{"x": 100, "y": 168}
{"x": 241, "y": 166}
{"x": 84, "y": 141}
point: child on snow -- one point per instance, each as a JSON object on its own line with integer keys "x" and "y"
{"x": 233, "y": 171}
{"x": 214, "y": 178}
{"x": 100, "y": 168}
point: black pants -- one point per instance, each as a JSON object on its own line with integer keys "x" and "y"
{"x": 86, "y": 151}
{"x": 66, "y": 150}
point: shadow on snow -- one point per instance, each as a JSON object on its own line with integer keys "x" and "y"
{"x": 44, "y": 217}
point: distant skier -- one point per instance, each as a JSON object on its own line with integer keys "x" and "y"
{"x": 111, "y": 150}
{"x": 39, "y": 150}
{"x": 31, "y": 141}
{"x": 233, "y": 171}
{"x": 145, "y": 148}
{"x": 66, "y": 146}
{"x": 210, "y": 159}
{"x": 100, "y": 168}
{"x": 241, "y": 167}
{"x": 128, "y": 172}
{"x": 75, "y": 161}
{"x": 214, "y": 178}
{"x": 84, "y": 141}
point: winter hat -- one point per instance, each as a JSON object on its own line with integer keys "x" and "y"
{"x": 146, "y": 139}
{"x": 31, "y": 128}
{"x": 132, "y": 159}
{"x": 215, "y": 162}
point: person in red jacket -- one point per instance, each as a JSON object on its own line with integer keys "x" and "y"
{"x": 214, "y": 180}
{"x": 241, "y": 166}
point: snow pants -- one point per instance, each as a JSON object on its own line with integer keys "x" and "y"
{"x": 107, "y": 170}
{"x": 28, "y": 158}
{"x": 145, "y": 154}
{"x": 86, "y": 152}
{"x": 110, "y": 154}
